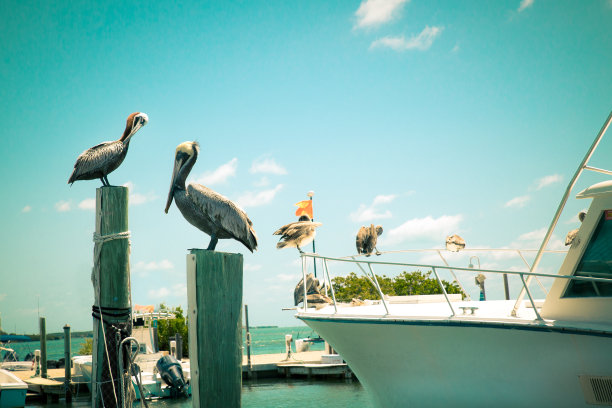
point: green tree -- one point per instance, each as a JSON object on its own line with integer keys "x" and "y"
{"x": 406, "y": 283}
{"x": 167, "y": 328}
{"x": 86, "y": 348}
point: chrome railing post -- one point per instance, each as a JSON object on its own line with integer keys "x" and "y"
{"x": 535, "y": 309}
{"x": 330, "y": 284}
{"x": 454, "y": 276}
{"x": 444, "y": 291}
{"x": 304, "y": 281}
{"x": 377, "y": 286}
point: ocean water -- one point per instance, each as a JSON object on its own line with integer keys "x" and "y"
{"x": 266, "y": 393}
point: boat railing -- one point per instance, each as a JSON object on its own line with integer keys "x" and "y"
{"x": 371, "y": 276}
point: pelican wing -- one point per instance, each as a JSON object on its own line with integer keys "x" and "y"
{"x": 224, "y": 213}
{"x": 360, "y": 239}
{"x": 296, "y": 229}
{"x": 93, "y": 159}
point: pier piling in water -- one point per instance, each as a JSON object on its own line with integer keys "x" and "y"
{"x": 111, "y": 282}
{"x": 67, "y": 364}
{"x": 43, "y": 347}
{"x": 214, "y": 291}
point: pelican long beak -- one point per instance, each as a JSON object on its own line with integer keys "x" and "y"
{"x": 177, "y": 168}
{"x": 139, "y": 121}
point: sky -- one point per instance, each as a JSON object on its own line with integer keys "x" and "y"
{"x": 427, "y": 117}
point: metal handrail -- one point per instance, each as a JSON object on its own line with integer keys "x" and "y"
{"x": 434, "y": 269}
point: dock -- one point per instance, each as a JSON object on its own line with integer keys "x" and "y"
{"x": 46, "y": 389}
{"x": 308, "y": 364}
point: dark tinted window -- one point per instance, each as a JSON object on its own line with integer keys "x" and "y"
{"x": 596, "y": 262}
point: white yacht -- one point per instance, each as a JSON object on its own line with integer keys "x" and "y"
{"x": 449, "y": 351}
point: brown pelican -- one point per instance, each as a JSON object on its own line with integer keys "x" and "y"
{"x": 205, "y": 209}
{"x": 366, "y": 239}
{"x": 297, "y": 234}
{"x": 103, "y": 159}
{"x": 313, "y": 291}
{"x": 455, "y": 243}
{"x": 571, "y": 236}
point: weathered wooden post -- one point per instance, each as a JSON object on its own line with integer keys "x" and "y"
{"x": 67, "y": 364}
{"x": 248, "y": 342}
{"x": 43, "y": 347}
{"x": 214, "y": 291}
{"x": 111, "y": 282}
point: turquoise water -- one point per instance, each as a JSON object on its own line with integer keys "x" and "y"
{"x": 263, "y": 341}
{"x": 272, "y": 393}
{"x": 279, "y": 393}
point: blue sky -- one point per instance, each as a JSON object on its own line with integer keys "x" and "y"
{"x": 428, "y": 117}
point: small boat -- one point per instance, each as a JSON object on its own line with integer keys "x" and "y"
{"x": 446, "y": 350}
{"x": 12, "y": 390}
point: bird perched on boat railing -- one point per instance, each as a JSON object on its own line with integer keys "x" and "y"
{"x": 367, "y": 238}
{"x": 572, "y": 235}
{"x": 297, "y": 234}
{"x": 101, "y": 160}
{"x": 314, "y": 291}
{"x": 205, "y": 209}
{"x": 455, "y": 243}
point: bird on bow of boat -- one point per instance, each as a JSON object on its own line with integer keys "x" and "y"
{"x": 571, "y": 236}
{"x": 455, "y": 243}
{"x": 297, "y": 234}
{"x": 366, "y": 239}
{"x": 101, "y": 160}
{"x": 204, "y": 208}
{"x": 314, "y": 290}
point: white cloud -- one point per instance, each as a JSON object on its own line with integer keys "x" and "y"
{"x": 251, "y": 267}
{"x": 220, "y": 175}
{"x": 268, "y": 166}
{"x": 62, "y": 206}
{"x": 375, "y": 12}
{"x": 518, "y": 201}
{"x": 138, "y": 198}
{"x": 159, "y": 293}
{"x": 367, "y": 213}
{"x": 26, "y": 209}
{"x": 288, "y": 277}
{"x": 420, "y": 42}
{"x": 524, "y": 4}
{"x": 262, "y": 182}
{"x": 537, "y": 235}
{"x": 154, "y": 266}
{"x": 179, "y": 290}
{"x": 548, "y": 180}
{"x": 2, "y": 296}
{"x": 252, "y": 199}
{"x": 88, "y": 204}
{"x": 428, "y": 227}
{"x": 456, "y": 48}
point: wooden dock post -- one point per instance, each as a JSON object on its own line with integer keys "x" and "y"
{"x": 111, "y": 282}
{"x": 248, "y": 343}
{"x": 67, "y": 364}
{"x": 43, "y": 347}
{"x": 214, "y": 291}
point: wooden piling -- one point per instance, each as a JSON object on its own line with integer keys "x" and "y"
{"x": 43, "y": 347}
{"x": 111, "y": 281}
{"x": 248, "y": 343}
{"x": 214, "y": 290}
{"x": 67, "y": 364}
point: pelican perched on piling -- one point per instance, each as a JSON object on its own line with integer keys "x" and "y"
{"x": 297, "y": 234}
{"x": 571, "y": 236}
{"x": 366, "y": 239}
{"x": 455, "y": 243}
{"x": 101, "y": 160}
{"x": 205, "y": 209}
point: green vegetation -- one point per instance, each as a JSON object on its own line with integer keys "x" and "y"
{"x": 86, "y": 348}
{"x": 413, "y": 283}
{"x": 166, "y": 329}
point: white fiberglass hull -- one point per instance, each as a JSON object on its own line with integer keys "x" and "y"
{"x": 441, "y": 363}
{"x": 12, "y": 390}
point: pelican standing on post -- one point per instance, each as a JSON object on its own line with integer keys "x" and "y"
{"x": 297, "y": 234}
{"x": 101, "y": 160}
{"x": 205, "y": 209}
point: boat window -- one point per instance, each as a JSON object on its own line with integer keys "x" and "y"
{"x": 595, "y": 263}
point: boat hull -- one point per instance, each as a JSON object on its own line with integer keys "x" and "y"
{"x": 12, "y": 390}
{"x": 443, "y": 363}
